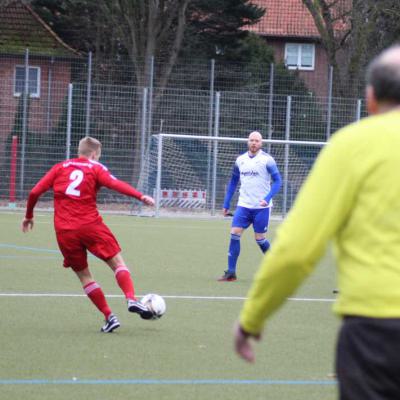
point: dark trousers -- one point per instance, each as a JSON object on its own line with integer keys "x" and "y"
{"x": 368, "y": 359}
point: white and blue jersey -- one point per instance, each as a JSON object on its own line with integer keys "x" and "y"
{"x": 259, "y": 180}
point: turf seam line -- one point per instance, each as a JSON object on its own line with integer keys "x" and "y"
{"x": 76, "y": 381}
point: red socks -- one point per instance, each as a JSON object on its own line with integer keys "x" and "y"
{"x": 96, "y": 295}
{"x": 94, "y": 292}
{"x": 124, "y": 280}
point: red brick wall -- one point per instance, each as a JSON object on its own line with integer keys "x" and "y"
{"x": 316, "y": 80}
{"x": 39, "y": 107}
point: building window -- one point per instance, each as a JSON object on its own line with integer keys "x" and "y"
{"x": 33, "y": 81}
{"x": 300, "y": 56}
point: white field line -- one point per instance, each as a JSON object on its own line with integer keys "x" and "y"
{"x": 304, "y": 299}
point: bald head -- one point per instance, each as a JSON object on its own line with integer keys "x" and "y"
{"x": 383, "y": 76}
{"x": 254, "y": 142}
{"x": 255, "y": 134}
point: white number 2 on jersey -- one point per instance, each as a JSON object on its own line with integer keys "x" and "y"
{"x": 76, "y": 177}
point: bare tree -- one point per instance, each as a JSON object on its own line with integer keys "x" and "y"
{"x": 149, "y": 28}
{"x": 352, "y": 32}
{"x": 331, "y": 17}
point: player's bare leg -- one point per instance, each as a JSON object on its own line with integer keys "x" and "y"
{"x": 124, "y": 280}
{"x": 116, "y": 261}
{"x": 84, "y": 276}
{"x": 96, "y": 295}
{"x": 235, "y": 230}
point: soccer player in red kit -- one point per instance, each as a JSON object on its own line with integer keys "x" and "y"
{"x": 80, "y": 228}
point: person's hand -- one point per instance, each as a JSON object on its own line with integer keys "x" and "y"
{"x": 263, "y": 203}
{"x": 242, "y": 343}
{"x": 27, "y": 225}
{"x": 225, "y": 211}
{"x": 147, "y": 200}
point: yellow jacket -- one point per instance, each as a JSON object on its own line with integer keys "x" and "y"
{"x": 352, "y": 196}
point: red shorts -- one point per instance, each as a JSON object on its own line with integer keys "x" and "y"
{"x": 96, "y": 238}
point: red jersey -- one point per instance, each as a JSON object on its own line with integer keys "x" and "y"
{"x": 75, "y": 184}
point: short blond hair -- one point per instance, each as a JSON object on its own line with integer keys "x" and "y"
{"x": 88, "y": 145}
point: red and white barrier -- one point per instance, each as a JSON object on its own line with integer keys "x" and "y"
{"x": 183, "y": 198}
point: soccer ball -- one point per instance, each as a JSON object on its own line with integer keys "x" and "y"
{"x": 154, "y": 303}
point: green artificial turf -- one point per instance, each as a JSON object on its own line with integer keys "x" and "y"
{"x": 52, "y": 348}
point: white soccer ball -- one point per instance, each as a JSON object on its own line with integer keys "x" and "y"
{"x": 155, "y": 303}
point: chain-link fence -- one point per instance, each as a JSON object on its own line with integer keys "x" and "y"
{"x": 213, "y": 74}
{"x": 47, "y": 104}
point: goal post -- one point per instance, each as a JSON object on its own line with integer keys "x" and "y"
{"x": 188, "y": 174}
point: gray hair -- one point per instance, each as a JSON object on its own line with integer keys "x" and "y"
{"x": 383, "y": 75}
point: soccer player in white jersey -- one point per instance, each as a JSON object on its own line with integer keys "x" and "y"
{"x": 260, "y": 180}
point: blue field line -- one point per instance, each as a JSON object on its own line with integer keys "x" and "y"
{"x": 16, "y": 247}
{"x": 28, "y": 248}
{"x": 29, "y": 257}
{"x": 77, "y": 381}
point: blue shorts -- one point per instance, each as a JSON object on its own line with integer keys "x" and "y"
{"x": 259, "y": 217}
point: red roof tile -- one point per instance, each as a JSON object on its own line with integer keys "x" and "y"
{"x": 21, "y": 28}
{"x": 285, "y": 18}
{"x": 291, "y": 18}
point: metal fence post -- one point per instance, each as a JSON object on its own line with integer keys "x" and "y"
{"x": 286, "y": 159}
{"x": 25, "y": 95}
{"x": 329, "y": 111}
{"x": 142, "y": 184}
{"x": 150, "y": 96}
{"x": 88, "y": 94}
{"x": 158, "y": 180}
{"x": 358, "y": 112}
{"x": 215, "y": 153}
{"x": 210, "y": 126}
{"x": 69, "y": 122}
{"x": 270, "y": 103}
{"x": 49, "y": 93}
{"x": 143, "y": 129}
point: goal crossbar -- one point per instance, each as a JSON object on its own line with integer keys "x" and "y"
{"x": 235, "y": 139}
{"x": 177, "y": 169}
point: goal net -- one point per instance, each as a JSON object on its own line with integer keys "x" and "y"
{"x": 188, "y": 174}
